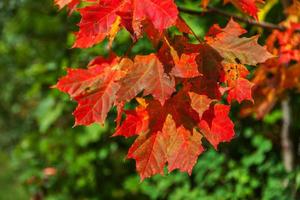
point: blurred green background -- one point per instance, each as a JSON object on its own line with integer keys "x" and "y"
{"x": 43, "y": 157}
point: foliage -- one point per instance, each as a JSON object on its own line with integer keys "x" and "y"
{"x": 181, "y": 81}
{"x": 53, "y": 161}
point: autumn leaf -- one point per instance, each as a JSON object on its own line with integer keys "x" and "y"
{"x": 149, "y": 152}
{"x": 241, "y": 91}
{"x": 96, "y": 22}
{"x": 101, "y": 19}
{"x": 135, "y": 123}
{"x": 147, "y": 74}
{"x": 232, "y": 47}
{"x": 239, "y": 88}
{"x": 94, "y": 89}
{"x": 162, "y": 13}
{"x": 175, "y": 146}
{"x": 185, "y": 65}
{"x": 216, "y": 125}
{"x": 183, "y": 148}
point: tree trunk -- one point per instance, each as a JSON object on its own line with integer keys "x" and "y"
{"x": 286, "y": 143}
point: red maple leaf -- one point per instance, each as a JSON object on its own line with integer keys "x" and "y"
{"x": 216, "y": 125}
{"x": 94, "y": 89}
{"x": 147, "y": 74}
{"x": 98, "y": 19}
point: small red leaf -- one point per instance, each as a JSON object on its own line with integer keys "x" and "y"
{"x": 241, "y": 91}
{"x": 186, "y": 66}
{"x": 135, "y": 123}
{"x": 216, "y": 126}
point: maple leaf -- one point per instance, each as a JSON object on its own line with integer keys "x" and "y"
{"x": 294, "y": 9}
{"x": 179, "y": 106}
{"x": 216, "y": 126}
{"x": 240, "y": 88}
{"x": 242, "y": 91}
{"x": 94, "y": 89}
{"x": 207, "y": 87}
{"x": 186, "y": 66}
{"x": 147, "y": 74}
{"x": 183, "y": 148}
{"x": 175, "y": 146}
{"x": 96, "y": 22}
{"x": 135, "y": 123}
{"x": 228, "y": 43}
{"x": 162, "y": 13}
{"x": 101, "y": 19}
{"x": 149, "y": 152}
{"x": 171, "y": 140}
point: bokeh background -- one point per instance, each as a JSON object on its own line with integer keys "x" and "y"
{"x": 43, "y": 157}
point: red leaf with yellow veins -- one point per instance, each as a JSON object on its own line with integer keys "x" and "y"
{"x": 146, "y": 75}
{"x": 200, "y": 103}
{"x": 94, "y": 89}
{"x": 183, "y": 148}
{"x": 149, "y": 152}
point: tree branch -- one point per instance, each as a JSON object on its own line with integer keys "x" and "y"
{"x": 265, "y": 25}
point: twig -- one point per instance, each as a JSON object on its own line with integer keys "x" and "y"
{"x": 266, "y": 25}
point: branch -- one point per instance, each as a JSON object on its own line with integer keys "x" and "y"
{"x": 266, "y": 25}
